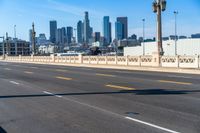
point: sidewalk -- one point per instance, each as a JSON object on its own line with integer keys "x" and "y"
{"x": 151, "y": 69}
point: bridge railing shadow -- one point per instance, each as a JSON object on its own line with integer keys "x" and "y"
{"x": 134, "y": 92}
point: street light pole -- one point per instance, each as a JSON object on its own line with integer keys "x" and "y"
{"x": 3, "y": 46}
{"x": 158, "y": 7}
{"x": 143, "y": 36}
{"x": 176, "y": 38}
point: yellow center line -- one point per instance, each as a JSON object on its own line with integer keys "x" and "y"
{"x": 174, "y": 82}
{"x": 105, "y": 75}
{"x": 63, "y": 78}
{"x": 120, "y": 87}
{"x": 28, "y": 72}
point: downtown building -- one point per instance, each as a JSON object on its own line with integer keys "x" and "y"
{"x": 107, "y": 31}
{"x": 15, "y": 47}
{"x": 80, "y": 32}
{"x": 121, "y": 28}
{"x": 53, "y": 30}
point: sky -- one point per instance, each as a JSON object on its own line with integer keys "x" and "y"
{"x": 68, "y": 12}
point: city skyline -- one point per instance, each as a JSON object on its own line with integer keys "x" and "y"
{"x": 70, "y": 12}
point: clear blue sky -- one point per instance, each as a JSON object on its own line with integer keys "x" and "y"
{"x": 67, "y": 12}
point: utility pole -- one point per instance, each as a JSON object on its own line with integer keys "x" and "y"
{"x": 3, "y": 46}
{"x": 176, "y": 36}
{"x": 33, "y": 39}
{"x": 143, "y": 36}
{"x": 7, "y": 44}
{"x": 159, "y": 6}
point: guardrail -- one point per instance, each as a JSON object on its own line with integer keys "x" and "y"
{"x": 145, "y": 61}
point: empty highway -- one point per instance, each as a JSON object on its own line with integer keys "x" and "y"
{"x": 64, "y": 99}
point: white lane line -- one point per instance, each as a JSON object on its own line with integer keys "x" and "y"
{"x": 46, "y": 92}
{"x": 175, "y": 76}
{"x": 13, "y": 82}
{"x": 7, "y": 69}
{"x": 49, "y": 93}
{"x": 58, "y": 96}
{"x": 151, "y": 125}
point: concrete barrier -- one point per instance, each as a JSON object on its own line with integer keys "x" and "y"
{"x": 147, "y": 61}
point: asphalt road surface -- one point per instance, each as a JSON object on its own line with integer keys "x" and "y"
{"x": 62, "y": 99}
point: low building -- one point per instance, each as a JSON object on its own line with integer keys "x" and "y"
{"x": 15, "y": 47}
{"x": 188, "y": 47}
{"x": 47, "y": 49}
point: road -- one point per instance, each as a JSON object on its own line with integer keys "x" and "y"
{"x": 61, "y": 99}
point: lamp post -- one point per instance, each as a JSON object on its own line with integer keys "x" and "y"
{"x": 75, "y": 34}
{"x": 176, "y": 38}
{"x": 158, "y": 7}
{"x": 143, "y": 20}
{"x": 33, "y": 39}
{"x": 3, "y": 49}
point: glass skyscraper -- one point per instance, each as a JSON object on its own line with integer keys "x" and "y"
{"x": 124, "y": 25}
{"x": 53, "y": 29}
{"x": 107, "y": 30}
{"x": 86, "y": 28}
{"x": 80, "y": 32}
{"x": 118, "y": 31}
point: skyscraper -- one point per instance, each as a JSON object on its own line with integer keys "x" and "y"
{"x": 80, "y": 32}
{"x": 107, "y": 30}
{"x": 61, "y": 36}
{"x": 53, "y": 29}
{"x": 86, "y": 28}
{"x": 124, "y": 23}
{"x": 69, "y": 35}
{"x": 97, "y": 36}
{"x": 118, "y": 31}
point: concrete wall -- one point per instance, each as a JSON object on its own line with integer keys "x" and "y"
{"x": 145, "y": 61}
{"x": 184, "y": 47}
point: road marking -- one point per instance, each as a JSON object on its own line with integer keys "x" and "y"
{"x": 120, "y": 87}
{"x": 58, "y": 96}
{"x": 174, "y": 82}
{"x": 61, "y": 70}
{"x": 151, "y": 125}
{"x": 28, "y": 72}
{"x": 49, "y": 93}
{"x": 64, "y": 78}
{"x": 46, "y": 92}
{"x": 34, "y": 67}
{"x": 13, "y": 82}
{"x": 105, "y": 75}
{"x": 175, "y": 76}
{"x": 7, "y": 69}
{"x": 122, "y": 72}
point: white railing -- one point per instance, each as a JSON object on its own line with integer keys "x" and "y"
{"x": 148, "y": 61}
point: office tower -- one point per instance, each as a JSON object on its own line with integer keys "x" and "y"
{"x": 53, "y": 29}
{"x": 69, "y": 35}
{"x": 61, "y": 36}
{"x": 118, "y": 31}
{"x": 97, "y": 36}
{"x": 87, "y": 29}
{"x": 58, "y": 36}
{"x": 80, "y": 32}
{"x": 41, "y": 39}
{"x": 124, "y": 23}
{"x": 107, "y": 30}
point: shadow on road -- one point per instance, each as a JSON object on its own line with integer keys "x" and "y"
{"x": 2, "y": 130}
{"x": 134, "y": 92}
